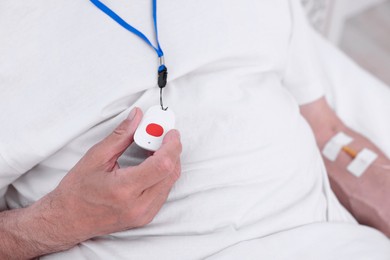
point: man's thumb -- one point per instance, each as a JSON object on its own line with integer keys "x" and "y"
{"x": 111, "y": 147}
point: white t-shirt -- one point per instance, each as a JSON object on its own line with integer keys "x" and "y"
{"x": 237, "y": 72}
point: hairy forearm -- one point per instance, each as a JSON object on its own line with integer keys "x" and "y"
{"x": 365, "y": 196}
{"x": 30, "y": 232}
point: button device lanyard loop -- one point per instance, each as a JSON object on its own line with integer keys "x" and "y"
{"x": 162, "y": 69}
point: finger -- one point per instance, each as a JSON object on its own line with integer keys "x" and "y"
{"x": 163, "y": 187}
{"x": 158, "y": 166}
{"x": 113, "y": 146}
{"x": 154, "y": 198}
{"x": 171, "y": 147}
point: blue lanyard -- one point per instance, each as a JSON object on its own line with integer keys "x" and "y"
{"x": 162, "y": 69}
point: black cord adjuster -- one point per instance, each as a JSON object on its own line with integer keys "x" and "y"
{"x": 162, "y": 82}
{"x": 162, "y": 77}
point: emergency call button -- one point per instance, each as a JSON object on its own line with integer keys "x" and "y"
{"x": 154, "y": 130}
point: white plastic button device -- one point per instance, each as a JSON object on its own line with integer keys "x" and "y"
{"x": 153, "y": 127}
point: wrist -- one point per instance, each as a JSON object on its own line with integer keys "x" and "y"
{"x": 368, "y": 202}
{"x": 52, "y": 223}
{"x": 33, "y": 231}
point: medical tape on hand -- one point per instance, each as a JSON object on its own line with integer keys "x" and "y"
{"x": 335, "y": 144}
{"x": 362, "y": 161}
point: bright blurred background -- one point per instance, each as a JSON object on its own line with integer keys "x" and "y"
{"x": 361, "y": 28}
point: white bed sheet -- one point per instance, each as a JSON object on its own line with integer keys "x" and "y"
{"x": 313, "y": 242}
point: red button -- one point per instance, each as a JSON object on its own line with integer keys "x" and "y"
{"x": 155, "y": 130}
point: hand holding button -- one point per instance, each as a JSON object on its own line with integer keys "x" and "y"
{"x": 98, "y": 196}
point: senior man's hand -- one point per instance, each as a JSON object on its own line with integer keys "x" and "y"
{"x": 97, "y": 197}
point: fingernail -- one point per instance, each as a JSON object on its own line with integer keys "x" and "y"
{"x": 177, "y": 133}
{"x": 132, "y": 114}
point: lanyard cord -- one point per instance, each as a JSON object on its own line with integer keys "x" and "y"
{"x": 162, "y": 69}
